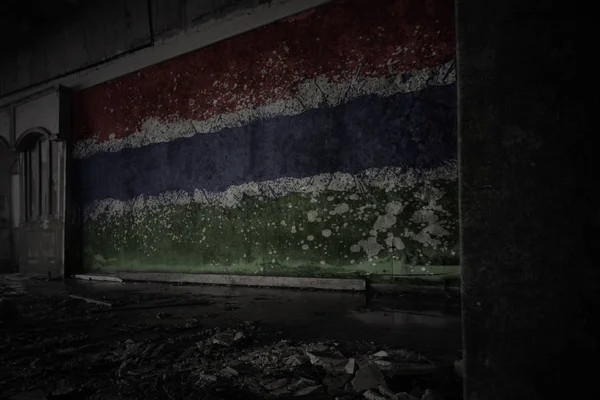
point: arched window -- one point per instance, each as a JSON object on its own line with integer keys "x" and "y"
{"x": 37, "y": 167}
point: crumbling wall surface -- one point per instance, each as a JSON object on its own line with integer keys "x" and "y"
{"x": 320, "y": 144}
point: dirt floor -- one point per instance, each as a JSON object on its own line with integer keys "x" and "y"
{"x": 156, "y": 341}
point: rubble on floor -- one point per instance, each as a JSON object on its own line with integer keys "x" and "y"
{"x": 80, "y": 352}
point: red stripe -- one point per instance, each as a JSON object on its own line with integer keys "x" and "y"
{"x": 262, "y": 66}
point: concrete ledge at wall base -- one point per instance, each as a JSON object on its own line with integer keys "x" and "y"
{"x": 357, "y": 285}
{"x": 101, "y": 278}
{"x": 400, "y": 288}
{"x": 448, "y": 283}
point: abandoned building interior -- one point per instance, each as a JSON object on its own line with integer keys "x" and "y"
{"x": 269, "y": 198}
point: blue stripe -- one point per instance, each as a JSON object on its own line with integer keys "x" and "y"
{"x": 415, "y": 130}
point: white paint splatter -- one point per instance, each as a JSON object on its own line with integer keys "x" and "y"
{"x": 341, "y": 208}
{"x": 385, "y": 221}
{"x": 355, "y": 248}
{"x": 232, "y": 196}
{"x": 370, "y": 246}
{"x": 326, "y": 232}
{"x": 309, "y": 95}
{"x": 312, "y": 215}
{"x": 310, "y": 238}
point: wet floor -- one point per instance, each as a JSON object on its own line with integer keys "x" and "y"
{"x": 428, "y": 322}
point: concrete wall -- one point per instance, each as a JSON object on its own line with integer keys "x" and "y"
{"x": 321, "y": 144}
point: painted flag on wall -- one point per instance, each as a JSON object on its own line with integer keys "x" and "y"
{"x": 323, "y": 144}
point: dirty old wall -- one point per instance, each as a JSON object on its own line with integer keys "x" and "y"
{"x": 323, "y": 144}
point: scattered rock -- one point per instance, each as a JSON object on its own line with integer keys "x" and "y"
{"x": 308, "y": 390}
{"x": 278, "y": 384}
{"x": 384, "y": 390}
{"x": 430, "y": 395}
{"x": 229, "y": 372}
{"x": 328, "y": 358}
{"x": 368, "y": 377}
{"x": 32, "y": 395}
{"x": 227, "y": 339}
{"x": 350, "y": 367}
{"x": 301, "y": 383}
{"x": 295, "y": 360}
{"x": 381, "y": 354}
{"x": 373, "y": 395}
{"x": 405, "y": 396}
{"x": 336, "y": 381}
{"x": 141, "y": 371}
{"x": 162, "y": 315}
{"x": 206, "y": 378}
{"x": 281, "y": 392}
{"x": 191, "y": 323}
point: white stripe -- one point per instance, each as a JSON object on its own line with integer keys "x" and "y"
{"x": 312, "y": 94}
{"x": 387, "y": 178}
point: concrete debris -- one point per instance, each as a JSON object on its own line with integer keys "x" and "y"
{"x": 350, "y": 367}
{"x": 227, "y": 338}
{"x": 229, "y": 372}
{"x": 278, "y": 384}
{"x": 37, "y": 394}
{"x": 384, "y": 390}
{"x": 327, "y": 357}
{"x": 167, "y": 359}
{"x": 368, "y": 377}
{"x": 295, "y": 360}
{"x": 309, "y": 390}
{"x": 281, "y": 392}
{"x": 430, "y": 395}
{"x": 301, "y": 383}
{"x": 374, "y": 395}
{"x": 206, "y": 378}
{"x": 336, "y": 382}
{"x": 405, "y": 396}
{"x": 90, "y": 300}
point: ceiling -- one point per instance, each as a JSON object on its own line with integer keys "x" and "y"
{"x": 20, "y": 20}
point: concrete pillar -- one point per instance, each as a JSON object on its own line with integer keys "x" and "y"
{"x": 528, "y": 222}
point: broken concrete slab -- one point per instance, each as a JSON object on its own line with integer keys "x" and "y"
{"x": 368, "y": 377}
{"x": 387, "y": 392}
{"x": 373, "y": 395}
{"x": 350, "y": 367}
{"x": 227, "y": 338}
{"x": 309, "y": 390}
{"x": 278, "y": 384}
{"x": 405, "y": 396}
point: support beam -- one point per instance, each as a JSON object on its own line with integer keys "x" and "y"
{"x": 528, "y": 285}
